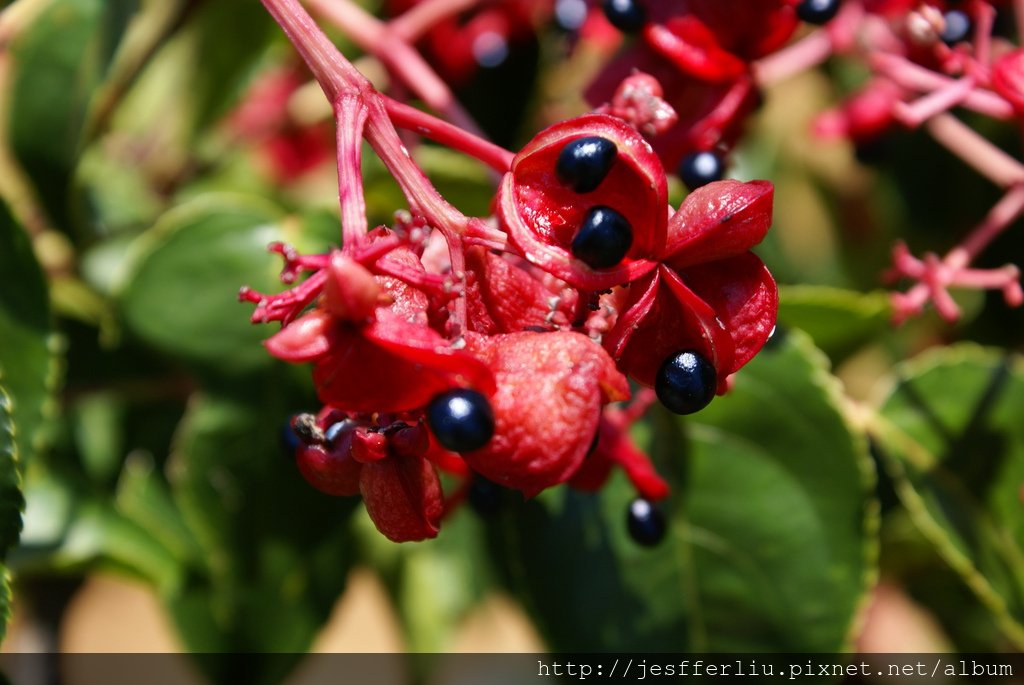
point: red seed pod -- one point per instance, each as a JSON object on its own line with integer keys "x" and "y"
{"x": 403, "y": 497}
{"x": 543, "y": 214}
{"x": 1008, "y": 78}
{"x": 330, "y": 469}
{"x": 551, "y": 387}
{"x": 710, "y": 294}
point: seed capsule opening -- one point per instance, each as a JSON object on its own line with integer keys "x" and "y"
{"x": 585, "y": 162}
{"x": 604, "y": 238}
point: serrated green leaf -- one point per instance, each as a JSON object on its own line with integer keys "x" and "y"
{"x": 26, "y": 360}
{"x": 770, "y": 546}
{"x": 11, "y": 504}
{"x": 181, "y": 294}
{"x": 5, "y": 601}
{"x": 951, "y": 436}
{"x": 837, "y": 320}
{"x": 11, "y": 499}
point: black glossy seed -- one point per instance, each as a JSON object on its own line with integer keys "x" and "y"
{"x": 817, "y": 11}
{"x": 957, "y": 27}
{"x": 627, "y": 16}
{"x": 645, "y": 522}
{"x": 701, "y": 168}
{"x": 335, "y": 430}
{"x": 686, "y": 382}
{"x": 604, "y": 238}
{"x": 461, "y": 419}
{"x": 585, "y": 162}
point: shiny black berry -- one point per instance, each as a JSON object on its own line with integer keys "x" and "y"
{"x": 584, "y": 163}
{"x": 701, "y": 168}
{"x": 817, "y": 11}
{"x": 604, "y": 238}
{"x": 645, "y": 522}
{"x": 958, "y": 27}
{"x": 686, "y": 382}
{"x": 461, "y": 419}
{"x": 627, "y": 16}
{"x": 336, "y": 430}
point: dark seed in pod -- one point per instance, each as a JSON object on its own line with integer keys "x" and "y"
{"x": 701, "y": 168}
{"x": 817, "y": 12}
{"x": 627, "y": 16}
{"x": 686, "y": 382}
{"x": 585, "y": 162}
{"x": 461, "y": 419}
{"x": 957, "y": 29}
{"x": 604, "y": 238}
{"x": 645, "y": 522}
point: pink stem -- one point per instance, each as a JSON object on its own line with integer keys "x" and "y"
{"x": 933, "y": 103}
{"x": 975, "y": 150}
{"x": 333, "y": 72}
{"x": 421, "y": 17}
{"x": 397, "y": 55}
{"x": 338, "y": 77}
{"x": 916, "y": 77}
{"x": 440, "y": 131}
{"x": 351, "y": 114}
{"x": 1009, "y": 207}
{"x": 984, "y": 20}
{"x": 798, "y": 57}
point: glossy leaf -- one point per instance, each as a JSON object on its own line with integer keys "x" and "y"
{"x": 26, "y": 358}
{"x": 771, "y": 530}
{"x": 837, "y": 320}
{"x": 181, "y": 294}
{"x": 951, "y": 437}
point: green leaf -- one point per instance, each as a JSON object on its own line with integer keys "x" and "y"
{"x": 220, "y": 65}
{"x": 11, "y": 504}
{"x": 143, "y": 497}
{"x": 837, "y": 320}
{"x": 11, "y": 500}
{"x": 771, "y": 539}
{"x": 181, "y": 294}
{"x": 440, "y": 582}
{"x": 278, "y": 552}
{"x": 59, "y": 61}
{"x": 70, "y": 531}
{"x": 951, "y": 437}
{"x": 26, "y": 358}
